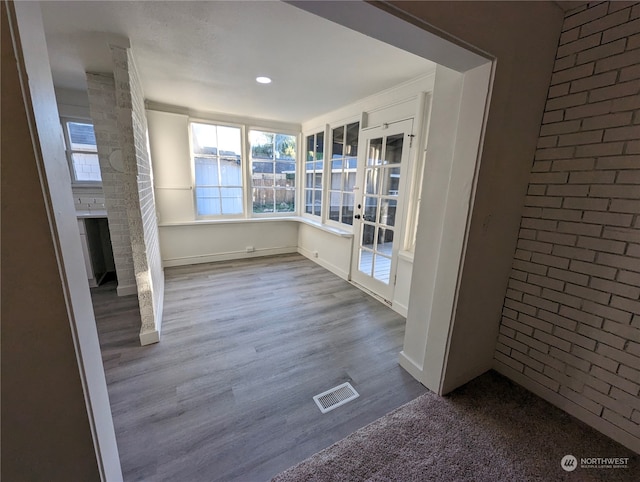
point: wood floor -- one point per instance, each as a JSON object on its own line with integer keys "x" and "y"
{"x": 227, "y": 393}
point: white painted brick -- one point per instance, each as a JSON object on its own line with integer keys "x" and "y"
{"x": 580, "y": 138}
{"x": 564, "y": 275}
{"x": 592, "y": 177}
{"x": 593, "y": 82}
{"x": 588, "y": 379}
{"x": 573, "y": 253}
{"x": 622, "y": 133}
{"x": 509, "y": 361}
{"x": 596, "y": 150}
{"x": 532, "y": 342}
{"x": 607, "y": 311}
{"x": 552, "y": 340}
{"x": 624, "y": 262}
{"x": 581, "y": 400}
{"x": 588, "y": 110}
{"x": 631, "y": 235}
{"x": 511, "y": 343}
{"x": 563, "y": 299}
{"x": 593, "y": 269}
{"x": 557, "y": 320}
{"x": 585, "y": 16}
{"x": 629, "y": 373}
{"x": 584, "y": 43}
{"x": 621, "y": 289}
{"x": 615, "y": 62}
{"x": 607, "y": 120}
{"x": 601, "y": 52}
{"x": 517, "y": 326}
{"x": 586, "y": 164}
{"x": 546, "y": 282}
{"x": 621, "y": 408}
{"x": 547, "y": 360}
{"x": 542, "y": 379}
{"x": 602, "y": 336}
{"x": 615, "y": 380}
{"x": 621, "y": 422}
{"x": 621, "y": 31}
{"x": 527, "y": 361}
{"x": 564, "y": 380}
{"x": 529, "y": 267}
{"x": 630, "y": 400}
{"x": 570, "y": 359}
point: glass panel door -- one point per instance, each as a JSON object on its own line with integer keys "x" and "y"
{"x": 378, "y": 212}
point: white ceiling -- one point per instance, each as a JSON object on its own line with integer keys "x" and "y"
{"x": 206, "y": 55}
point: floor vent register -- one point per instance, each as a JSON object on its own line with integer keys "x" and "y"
{"x": 337, "y": 396}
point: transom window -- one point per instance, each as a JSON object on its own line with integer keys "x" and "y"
{"x": 344, "y": 163}
{"x": 273, "y": 172}
{"x": 82, "y": 152}
{"x": 217, "y": 159}
{"x": 314, "y": 166}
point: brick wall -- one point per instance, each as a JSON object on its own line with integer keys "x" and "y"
{"x": 139, "y": 197}
{"x": 101, "y": 91}
{"x": 571, "y": 319}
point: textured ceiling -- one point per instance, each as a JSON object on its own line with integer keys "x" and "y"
{"x": 206, "y": 55}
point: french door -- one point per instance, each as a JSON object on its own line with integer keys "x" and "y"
{"x": 378, "y": 214}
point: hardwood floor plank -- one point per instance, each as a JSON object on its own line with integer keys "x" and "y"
{"x": 227, "y": 393}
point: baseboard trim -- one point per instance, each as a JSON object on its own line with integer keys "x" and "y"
{"x": 212, "y": 258}
{"x": 149, "y": 337}
{"x": 126, "y": 290}
{"x": 399, "y": 308}
{"x": 324, "y": 263}
{"x": 410, "y": 366}
{"x": 554, "y": 398}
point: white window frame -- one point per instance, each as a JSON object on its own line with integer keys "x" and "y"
{"x": 69, "y": 151}
{"x": 303, "y": 172}
{"x": 329, "y": 171}
{"x": 249, "y": 173}
{"x": 243, "y": 168}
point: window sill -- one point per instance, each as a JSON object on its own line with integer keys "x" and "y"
{"x": 323, "y": 227}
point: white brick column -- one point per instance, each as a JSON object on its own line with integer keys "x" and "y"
{"x": 102, "y": 105}
{"x": 139, "y": 198}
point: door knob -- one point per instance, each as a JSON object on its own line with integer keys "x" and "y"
{"x": 357, "y": 216}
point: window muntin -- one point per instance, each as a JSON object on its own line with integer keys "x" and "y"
{"x": 273, "y": 172}
{"x": 217, "y": 159}
{"x": 82, "y": 151}
{"x": 344, "y": 163}
{"x": 314, "y": 167}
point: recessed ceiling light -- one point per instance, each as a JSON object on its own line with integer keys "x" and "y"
{"x": 263, "y": 80}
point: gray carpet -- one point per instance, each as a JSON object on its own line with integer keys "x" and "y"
{"x": 488, "y": 430}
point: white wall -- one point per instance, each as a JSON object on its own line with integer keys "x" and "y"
{"x": 332, "y": 250}
{"x": 190, "y": 243}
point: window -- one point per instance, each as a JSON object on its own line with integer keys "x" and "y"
{"x": 273, "y": 172}
{"x": 82, "y": 152}
{"x": 217, "y": 159}
{"x": 344, "y": 163}
{"x": 314, "y": 166}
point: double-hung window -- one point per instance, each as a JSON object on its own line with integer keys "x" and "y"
{"x": 273, "y": 172}
{"x": 82, "y": 152}
{"x": 344, "y": 164}
{"x": 314, "y": 166}
{"x": 217, "y": 159}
